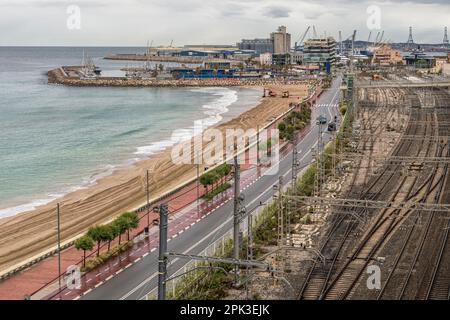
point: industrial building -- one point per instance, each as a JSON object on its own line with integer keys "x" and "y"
{"x": 217, "y": 65}
{"x": 320, "y": 51}
{"x": 204, "y": 73}
{"x": 260, "y": 46}
{"x": 420, "y": 60}
{"x": 281, "y": 41}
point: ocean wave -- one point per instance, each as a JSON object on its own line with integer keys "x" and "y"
{"x": 214, "y": 111}
{"x": 9, "y": 212}
{"x": 87, "y": 182}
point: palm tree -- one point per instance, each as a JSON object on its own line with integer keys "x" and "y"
{"x": 84, "y": 243}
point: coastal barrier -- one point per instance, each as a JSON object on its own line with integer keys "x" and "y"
{"x": 59, "y": 76}
{"x": 142, "y": 57}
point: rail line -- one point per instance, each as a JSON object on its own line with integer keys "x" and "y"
{"x": 320, "y": 283}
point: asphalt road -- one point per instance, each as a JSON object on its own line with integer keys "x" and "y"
{"x": 141, "y": 278}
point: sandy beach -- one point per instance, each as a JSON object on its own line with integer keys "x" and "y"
{"x": 28, "y": 234}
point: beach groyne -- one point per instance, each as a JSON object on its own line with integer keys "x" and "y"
{"x": 60, "y": 76}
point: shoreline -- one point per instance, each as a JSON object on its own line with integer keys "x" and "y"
{"x": 143, "y": 150}
{"x": 30, "y": 233}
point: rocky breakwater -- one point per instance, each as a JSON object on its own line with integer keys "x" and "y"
{"x": 59, "y": 76}
{"x": 141, "y": 57}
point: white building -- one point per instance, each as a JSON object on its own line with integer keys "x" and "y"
{"x": 265, "y": 59}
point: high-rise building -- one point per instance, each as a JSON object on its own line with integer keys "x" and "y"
{"x": 281, "y": 41}
{"x": 320, "y": 51}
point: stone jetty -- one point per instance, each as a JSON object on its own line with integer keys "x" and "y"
{"x": 60, "y": 76}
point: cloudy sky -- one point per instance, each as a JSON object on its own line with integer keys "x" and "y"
{"x": 133, "y": 22}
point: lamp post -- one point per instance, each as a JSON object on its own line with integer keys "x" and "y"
{"x": 59, "y": 244}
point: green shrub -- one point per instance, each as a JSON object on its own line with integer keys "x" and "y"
{"x": 105, "y": 257}
{"x": 216, "y": 191}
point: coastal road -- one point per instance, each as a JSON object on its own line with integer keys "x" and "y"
{"x": 141, "y": 278}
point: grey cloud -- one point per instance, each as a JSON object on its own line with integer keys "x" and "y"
{"x": 277, "y": 12}
{"x": 55, "y": 3}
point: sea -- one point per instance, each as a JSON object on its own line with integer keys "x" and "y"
{"x": 56, "y": 139}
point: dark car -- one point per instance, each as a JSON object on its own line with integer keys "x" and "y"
{"x": 332, "y": 126}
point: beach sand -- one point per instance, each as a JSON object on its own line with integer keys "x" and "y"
{"x": 29, "y": 234}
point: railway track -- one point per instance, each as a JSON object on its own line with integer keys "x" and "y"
{"x": 340, "y": 282}
{"x": 318, "y": 278}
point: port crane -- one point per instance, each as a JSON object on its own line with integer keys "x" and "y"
{"x": 376, "y": 39}
{"x": 299, "y": 42}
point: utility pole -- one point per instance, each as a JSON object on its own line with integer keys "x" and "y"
{"x": 280, "y": 228}
{"x": 59, "y": 244}
{"x": 162, "y": 260}
{"x": 294, "y": 162}
{"x": 198, "y": 184}
{"x": 148, "y": 203}
{"x": 294, "y": 169}
{"x": 335, "y": 145}
{"x": 445, "y": 41}
{"x": 236, "y": 215}
{"x": 280, "y": 232}
{"x": 410, "y": 37}
{"x": 249, "y": 252}
{"x": 258, "y": 170}
{"x": 319, "y": 164}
